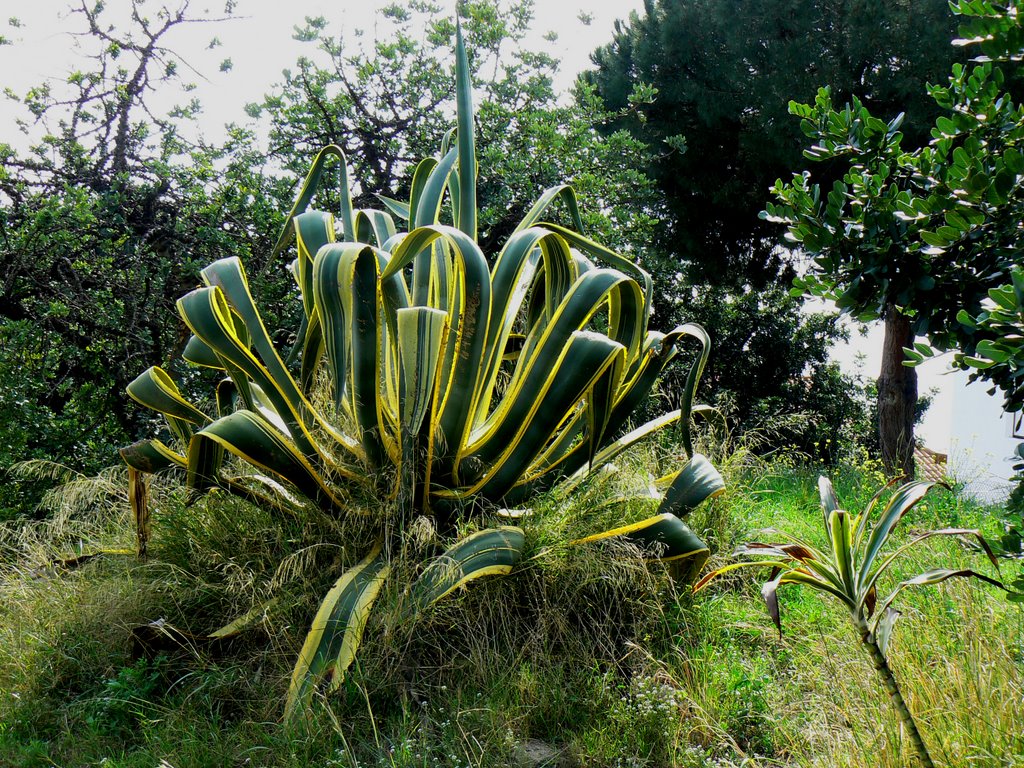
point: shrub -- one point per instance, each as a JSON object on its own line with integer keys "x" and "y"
{"x": 426, "y": 390}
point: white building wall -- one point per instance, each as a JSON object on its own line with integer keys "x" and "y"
{"x": 964, "y": 421}
{"x": 982, "y": 441}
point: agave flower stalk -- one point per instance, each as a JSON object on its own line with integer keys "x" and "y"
{"x": 849, "y": 569}
{"x": 456, "y": 385}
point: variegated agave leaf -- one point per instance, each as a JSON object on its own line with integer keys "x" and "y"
{"x": 455, "y": 382}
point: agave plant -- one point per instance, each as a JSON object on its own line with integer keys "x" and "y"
{"x": 849, "y": 569}
{"x": 428, "y": 379}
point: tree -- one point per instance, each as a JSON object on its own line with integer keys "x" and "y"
{"x": 710, "y": 81}
{"x": 708, "y": 95}
{"x": 918, "y": 237}
{"x": 103, "y": 222}
{"x": 769, "y": 370}
{"x": 351, "y": 92}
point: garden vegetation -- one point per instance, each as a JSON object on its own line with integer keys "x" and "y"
{"x": 430, "y": 484}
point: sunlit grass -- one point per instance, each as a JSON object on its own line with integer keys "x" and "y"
{"x": 604, "y": 660}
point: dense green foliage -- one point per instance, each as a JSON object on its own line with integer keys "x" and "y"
{"x": 712, "y": 80}
{"x": 706, "y": 84}
{"x": 769, "y": 372}
{"x": 383, "y": 103}
{"x": 919, "y": 236}
{"x": 105, "y": 219}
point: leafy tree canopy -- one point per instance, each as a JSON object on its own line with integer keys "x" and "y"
{"x": 104, "y": 219}
{"x": 712, "y": 80}
{"x": 924, "y": 236}
{"x": 354, "y": 91}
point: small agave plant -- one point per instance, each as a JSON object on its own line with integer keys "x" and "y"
{"x": 455, "y": 387}
{"x": 849, "y": 569}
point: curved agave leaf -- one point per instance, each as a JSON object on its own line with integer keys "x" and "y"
{"x": 491, "y": 552}
{"x": 199, "y": 353}
{"x": 375, "y": 226}
{"x": 544, "y": 345}
{"x": 397, "y": 208}
{"x": 347, "y": 299}
{"x": 313, "y": 230}
{"x": 696, "y": 481}
{"x": 313, "y": 349}
{"x": 253, "y": 439}
{"x": 468, "y": 316}
{"x": 608, "y": 256}
{"x": 535, "y": 409}
{"x": 155, "y": 389}
{"x": 309, "y": 188}
{"x": 420, "y": 337}
{"x": 330, "y": 647}
{"x": 428, "y": 205}
{"x": 151, "y": 456}
{"x": 205, "y": 458}
{"x": 664, "y": 537}
{"x": 611, "y": 451}
{"x": 208, "y": 315}
{"x": 692, "y": 379}
{"x": 707, "y": 578}
{"x": 255, "y": 615}
{"x": 549, "y": 197}
{"x": 564, "y": 457}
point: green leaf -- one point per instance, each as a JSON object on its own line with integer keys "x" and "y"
{"x": 902, "y": 501}
{"x": 398, "y": 208}
{"x": 309, "y": 188}
{"x": 664, "y": 537}
{"x": 491, "y": 552}
{"x": 934, "y": 239}
{"x": 467, "y": 142}
{"x": 420, "y": 334}
{"x": 696, "y": 481}
{"x": 337, "y": 630}
{"x": 151, "y": 456}
{"x": 155, "y": 389}
{"x": 883, "y": 630}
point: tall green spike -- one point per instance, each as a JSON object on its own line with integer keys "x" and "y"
{"x": 467, "y": 143}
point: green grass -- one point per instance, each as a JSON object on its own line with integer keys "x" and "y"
{"x": 607, "y": 660}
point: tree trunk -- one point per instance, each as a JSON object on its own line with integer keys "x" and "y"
{"x": 897, "y": 396}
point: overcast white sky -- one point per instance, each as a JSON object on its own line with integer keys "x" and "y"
{"x": 259, "y": 43}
